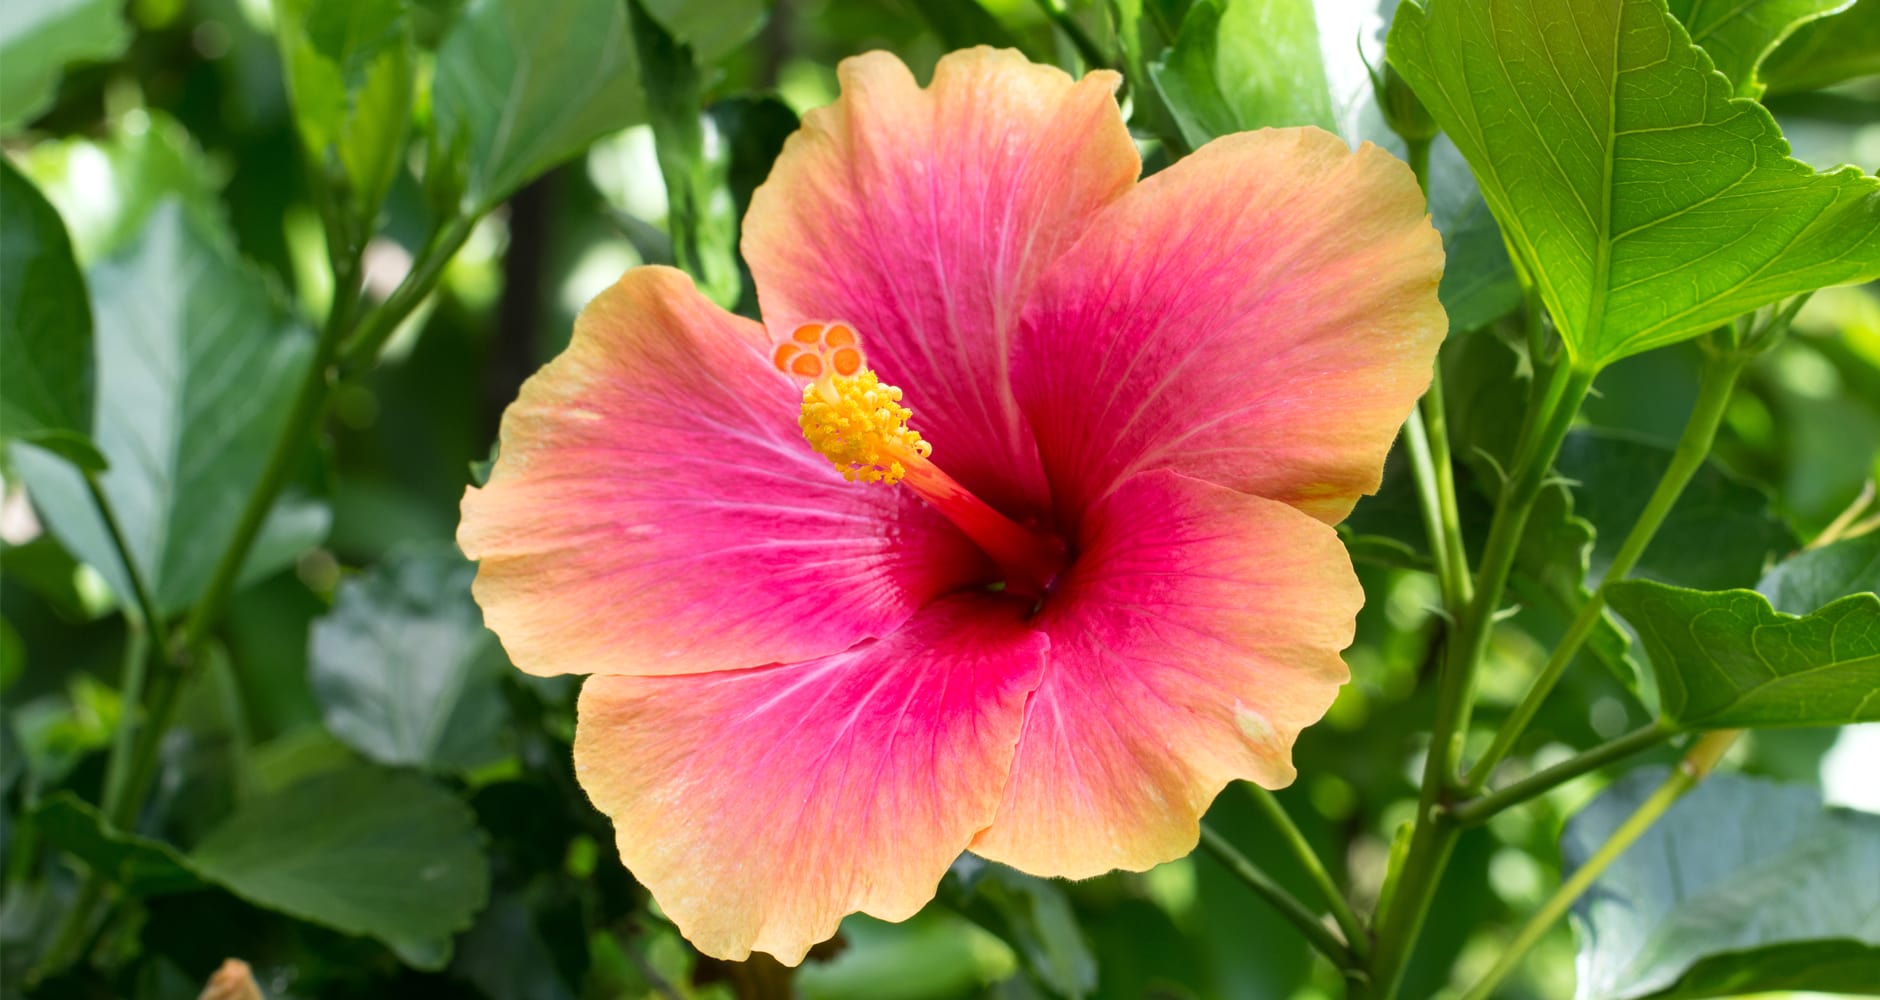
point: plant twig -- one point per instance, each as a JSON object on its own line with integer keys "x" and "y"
{"x": 1480, "y": 810}
{"x": 1295, "y": 912}
{"x": 1697, "y": 763}
{"x": 1356, "y": 937}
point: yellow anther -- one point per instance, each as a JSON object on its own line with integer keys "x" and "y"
{"x": 860, "y": 426}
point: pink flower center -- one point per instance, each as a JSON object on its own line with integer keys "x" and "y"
{"x": 857, "y": 422}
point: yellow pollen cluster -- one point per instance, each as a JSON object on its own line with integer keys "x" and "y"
{"x": 860, "y": 426}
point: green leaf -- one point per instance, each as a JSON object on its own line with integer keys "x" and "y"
{"x": 404, "y": 668}
{"x": 1818, "y": 576}
{"x": 521, "y": 86}
{"x": 45, "y": 321}
{"x": 1727, "y": 660}
{"x": 1647, "y": 204}
{"x": 1827, "y": 51}
{"x": 105, "y": 190}
{"x": 702, "y": 240}
{"x": 1738, "y": 34}
{"x": 1744, "y": 886}
{"x": 1244, "y": 65}
{"x": 39, "y": 38}
{"x": 713, "y": 30}
{"x": 1035, "y": 917}
{"x": 349, "y": 69}
{"x": 1721, "y": 533}
{"x": 138, "y": 865}
{"x": 362, "y": 850}
{"x": 197, "y": 367}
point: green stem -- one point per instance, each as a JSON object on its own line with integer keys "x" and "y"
{"x": 363, "y": 346}
{"x": 1701, "y": 759}
{"x": 1550, "y": 416}
{"x": 1459, "y": 590}
{"x": 140, "y": 589}
{"x": 1480, "y": 810}
{"x": 1416, "y": 447}
{"x": 1716, "y": 384}
{"x": 1295, "y": 912}
{"x": 137, "y": 655}
{"x": 1417, "y": 154}
{"x": 1358, "y": 939}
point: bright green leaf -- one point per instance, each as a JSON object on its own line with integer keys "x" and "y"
{"x": 138, "y": 865}
{"x": 1727, "y": 660}
{"x": 521, "y": 86}
{"x": 39, "y": 38}
{"x": 362, "y": 850}
{"x": 1825, "y": 52}
{"x": 1239, "y": 65}
{"x": 1744, "y": 886}
{"x": 1647, "y": 204}
{"x": 404, "y": 668}
{"x": 105, "y": 190}
{"x": 45, "y": 321}
{"x": 349, "y": 68}
{"x": 197, "y": 367}
{"x": 1818, "y": 576}
{"x": 1739, "y": 33}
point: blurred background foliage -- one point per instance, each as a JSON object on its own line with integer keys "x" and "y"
{"x": 353, "y": 722}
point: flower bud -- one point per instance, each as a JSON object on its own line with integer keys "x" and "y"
{"x": 1405, "y": 115}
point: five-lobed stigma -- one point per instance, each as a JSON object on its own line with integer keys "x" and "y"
{"x": 849, "y": 416}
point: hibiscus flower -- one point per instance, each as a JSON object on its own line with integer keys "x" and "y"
{"x": 1042, "y": 601}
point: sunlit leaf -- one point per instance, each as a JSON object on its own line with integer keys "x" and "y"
{"x": 1646, "y": 203}
{"x": 39, "y": 38}
{"x": 349, "y": 67}
{"x": 1727, "y": 660}
{"x": 1744, "y": 886}
{"x": 1240, "y": 65}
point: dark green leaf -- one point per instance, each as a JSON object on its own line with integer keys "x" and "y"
{"x": 1727, "y": 660}
{"x": 1737, "y": 34}
{"x": 1244, "y": 65}
{"x": 1035, "y": 917}
{"x": 1818, "y": 576}
{"x": 361, "y": 850}
{"x": 713, "y": 30}
{"x": 1647, "y": 204}
{"x": 1827, "y": 51}
{"x": 39, "y": 38}
{"x": 962, "y": 24}
{"x": 349, "y": 68}
{"x": 522, "y": 85}
{"x": 1743, "y": 886}
{"x": 197, "y": 365}
{"x": 1721, "y": 533}
{"x": 45, "y": 321}
{"x": 404, "y": 668}
{"x": 137, "y": 865}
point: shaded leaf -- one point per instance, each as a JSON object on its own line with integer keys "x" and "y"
{"x": 1727, "y": 660}
{"x": 1818, "y": 576}
{"x": 1647, "y": 204}
{"x": 45, "y": 320}
{"x": 1825, "y": 52}
{"x": 1737, "y": 34}
{"x": 1743, "y": 886}
{"x": 39, "y": 38}
{"x": 197, "y": 364}
{"x": 361, "y": 850}
{"x": 137, "y": 865}
{"x": 105, "y": 190}
{"x": 713, "y": 30}
{"x": 404, "y": 669}
{"x": 1721, "y": 533}
{"x": 522, "y": 85}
